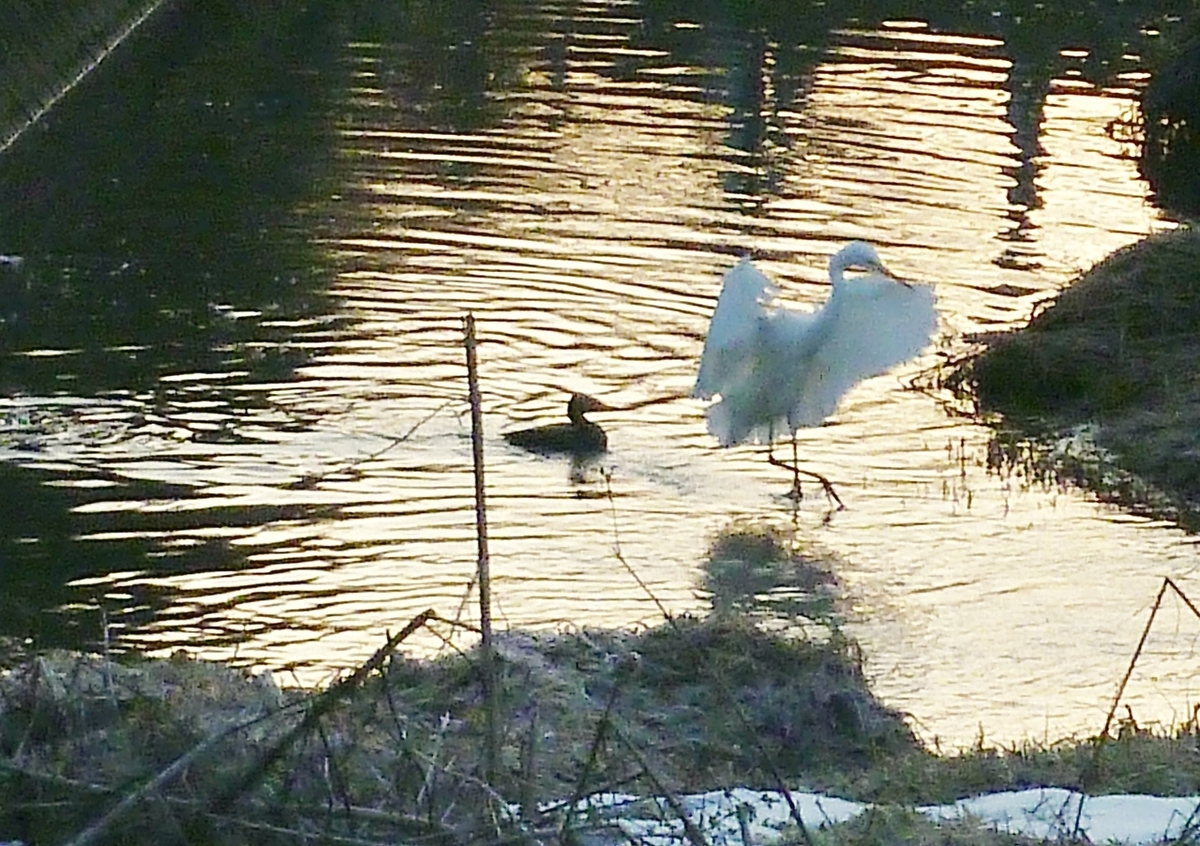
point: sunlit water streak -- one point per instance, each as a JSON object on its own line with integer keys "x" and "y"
{"x": 586, "y": 223}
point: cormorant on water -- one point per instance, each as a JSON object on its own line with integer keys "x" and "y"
{"x": 580, "y": 437}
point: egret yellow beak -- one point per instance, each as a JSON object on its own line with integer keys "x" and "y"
{"x": 882, "y": 269}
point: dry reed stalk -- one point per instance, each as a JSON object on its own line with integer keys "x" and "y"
{"x": 694, "y": 835}
{"x": 154, "y": 785}
{"x": 1088, "y": 776}
{"x": 488, "y": 672}
{"x": 322, "y": 705}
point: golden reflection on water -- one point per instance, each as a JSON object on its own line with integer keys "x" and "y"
{"x": 588, "y": 229}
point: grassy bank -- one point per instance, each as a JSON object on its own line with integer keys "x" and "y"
{"x": 760, "y": 694}
{"x": 175, "y": 750}
{"x": 1116, "y": 352}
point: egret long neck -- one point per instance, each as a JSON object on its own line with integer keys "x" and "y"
{"x": 836, "y": 270}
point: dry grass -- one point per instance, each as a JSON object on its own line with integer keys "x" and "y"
{"x": 684, "y": 706}
{"x": 180, "y": 751}
{"x": 896, "y": 826}
{"x": 1153, "y": 761}
{"x": 700, "y": 704}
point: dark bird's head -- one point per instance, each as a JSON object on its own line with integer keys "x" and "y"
{"x": 581, "y": 404}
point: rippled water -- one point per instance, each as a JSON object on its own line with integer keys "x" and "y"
{"x": 279, "y": 468}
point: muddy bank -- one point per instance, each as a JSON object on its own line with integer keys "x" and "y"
{"x": 1117, "y": 352}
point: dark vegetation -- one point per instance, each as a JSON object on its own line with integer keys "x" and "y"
{"x": 203, "y": 753}
{"x": 1170, "y": 118}
{"x": 1115, "y": 356}
{"x": 1118, "y": 349}
{"x": 683, "y": 707}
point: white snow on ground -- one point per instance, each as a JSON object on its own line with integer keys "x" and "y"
{"x": 1050, "y": 813}
{"x": 1046, "y": 813}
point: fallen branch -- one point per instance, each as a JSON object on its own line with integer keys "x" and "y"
{"x": 319, "y": 708}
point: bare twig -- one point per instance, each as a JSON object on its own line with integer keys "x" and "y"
{"x": 612, "y": 504}
{"x": 298, "y": 836}
{"x": 320, "y": 706}
{"x": 336, "y": 781}
{"x": 743, "y": 818}
{"x": 1137, "y": 652}
{"x": 1092, "y": 769}
{"x": 529, "y": 753}
{"x": 464, "y": 777}
{"x": 694, "y": 835}
{"x": 602, "y": 729}
{"x": 310, "y": 481}
{"x": 481, "y": 537}
{"x": 98, "y": 828}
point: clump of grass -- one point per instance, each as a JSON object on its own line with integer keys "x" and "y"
{"x": 1169, "y": 119}
{"x": 1151, "y": 760}
{"x": 689, "y": 705}
{"x": 394, "y": 751}
{"x": 674, "y": 692}
{"x": 1118, "y": 349}
{"x": 1108, "y": 341}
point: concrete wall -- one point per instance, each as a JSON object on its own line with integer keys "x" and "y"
{"x": 46, "y": 46}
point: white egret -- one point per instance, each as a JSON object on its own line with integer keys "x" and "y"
{"x": 777, "y": 371}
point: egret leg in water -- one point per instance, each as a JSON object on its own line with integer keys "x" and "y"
{"x": 797, "y": 471}
{"x": 776, "y": 369}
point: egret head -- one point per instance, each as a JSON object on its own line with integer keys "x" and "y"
{"x": 858, "y": 255}
{"x": 581, "y": 404}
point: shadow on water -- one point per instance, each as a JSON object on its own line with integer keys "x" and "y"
{"x": 760, "y": 572}
{"x": 444, "y": 59}
{"x": 1107, "y": 37}
{"x": 49, "y": 537}
{"x": 167, "y": 186}
{"x": 168, "y": 266}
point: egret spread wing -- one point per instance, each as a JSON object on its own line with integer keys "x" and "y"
{"x": 755, "y": 405}
{"x": 870, "y": 324}
{"x": 778, "y": 370}
{"x": 730, "y": 350}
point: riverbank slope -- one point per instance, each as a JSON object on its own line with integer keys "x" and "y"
{"x": 1112, "y": 361}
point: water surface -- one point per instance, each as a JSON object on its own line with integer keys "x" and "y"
{"x": 235, "y": 417}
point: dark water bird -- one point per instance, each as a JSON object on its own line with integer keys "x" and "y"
{"x": 581, "y": 437}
